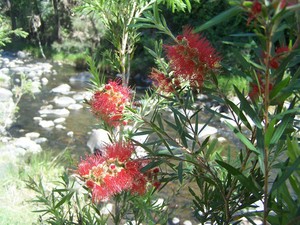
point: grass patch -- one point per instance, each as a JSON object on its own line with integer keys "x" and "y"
{"x": 69, "y": 58}
{"x": 15, "y": 207}
{"x": 227, "y": 82}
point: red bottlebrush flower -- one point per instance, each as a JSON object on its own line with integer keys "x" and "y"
{"x": 161, "y": 82}
{"x": 113, "y": 172}
{"x": 255, "y": 10}
{"x": 258, "y": 89}
{"x": 155, "y": 170}
{"x": 274, "y": 63}
{"x": 156, "y": 184}
{"x": 108, "y": 104}
{"x": 192, "y": 58}
{"x": 256, "y": 7}
{"x": 120, "y": 151}
{"x": 281, "y": 50}
{"x": 279, "y": 54}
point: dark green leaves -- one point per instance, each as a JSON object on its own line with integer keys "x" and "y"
{"x": 224, "y": 16}
{"x": 245, "y": 181}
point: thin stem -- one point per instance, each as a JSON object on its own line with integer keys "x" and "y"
{"x": 266, "y": 120}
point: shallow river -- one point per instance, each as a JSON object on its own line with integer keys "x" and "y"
{"x": 77, "y": 125}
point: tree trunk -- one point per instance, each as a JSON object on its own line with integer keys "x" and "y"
{"x": 12, "y": 14}
{"x": 57, "y": 29}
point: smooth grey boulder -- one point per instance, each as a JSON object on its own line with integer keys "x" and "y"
{"x": 62, "y": 89}
{"x": 5, "y": 95}
{"x": 55, "y": 112}
{"x": 64, "y": 101}
{"x": 28, "y": 145}
{"x": 206, "y": 131}
{"x": 98, "y": 139}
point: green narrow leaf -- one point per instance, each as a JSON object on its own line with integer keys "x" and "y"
{"x": 243, "y": 139}
{"x": 180, "y": 172}
{"x": 278, "y": 87}
{"x": 224, "y": 16}
{"x": 188, "y": 5}
{"x": 245, "y": 106}
{"x": 211, "y": 149}
{"x": 280, "y": 129}
{"x": 151, "y": 165}
{"x": 239, "y": 113}
{"x": 66, "y": 198}
{"x": 248, "y": 183}
{"x": 286, "y": 174}
{"x": 269, "y": 132}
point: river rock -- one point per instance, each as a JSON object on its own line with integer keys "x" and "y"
{"x": 5, "y": 95}
{"x": 32, "y": 74}
{"x": 107, "y": 209}
{"x": 40, "y": 140}
{"x": 59, "y": 120}
{"x": 187, "y": 222}
{"x": 175, "y": 221}
{"x": 32, "y": 135}
{"x": 60, "y": 127}
{"x": 22, "y": 54}
{"x": 44, "y": 81}
{"x": 4, "y": 80}
{"x": 4, "y": 71}
{"x": 62, "y": 89}
{"x": 98, "y": 139}
{"x": 202, "y": 97}
{"x": 207, "y": 131}
{"x": 46, "y": 123}
{"x": 27, "y": 144}
{"x": 47, "y": 107}
{"x": 55, "y": 112}
{"x": 7, "y": 107}
{"x": 37, "y": 118}
{"x": 70, "y": 134}
{"x": 75, "y": 107}
{"x": 36, "y": 87}
{"x": 19, "y": 70}
{"x": 64, "y": 101}
{"x": 82, "y": 96}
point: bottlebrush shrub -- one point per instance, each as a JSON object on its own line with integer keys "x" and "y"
{"x": 252, "y": 171}
{"x": 226, "y": 182}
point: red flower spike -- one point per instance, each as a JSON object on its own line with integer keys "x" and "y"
{"x": 156, "y": 184}
{"x": 280, "y": 53}
{"x": 258, "y": 90}
{"x": 192, "y": 58}
{"x": 255, "y": 10}
{"x": 282, "y": 50}
{"x": 274, "y": 63}
{"x": 155, "y": 170}
{"x": 120, "y": 151}
{"x": 113, "y": 172}
{"x": 108, "y": 104}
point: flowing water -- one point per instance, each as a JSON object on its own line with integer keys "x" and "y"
{"x": 77, "y": 125}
